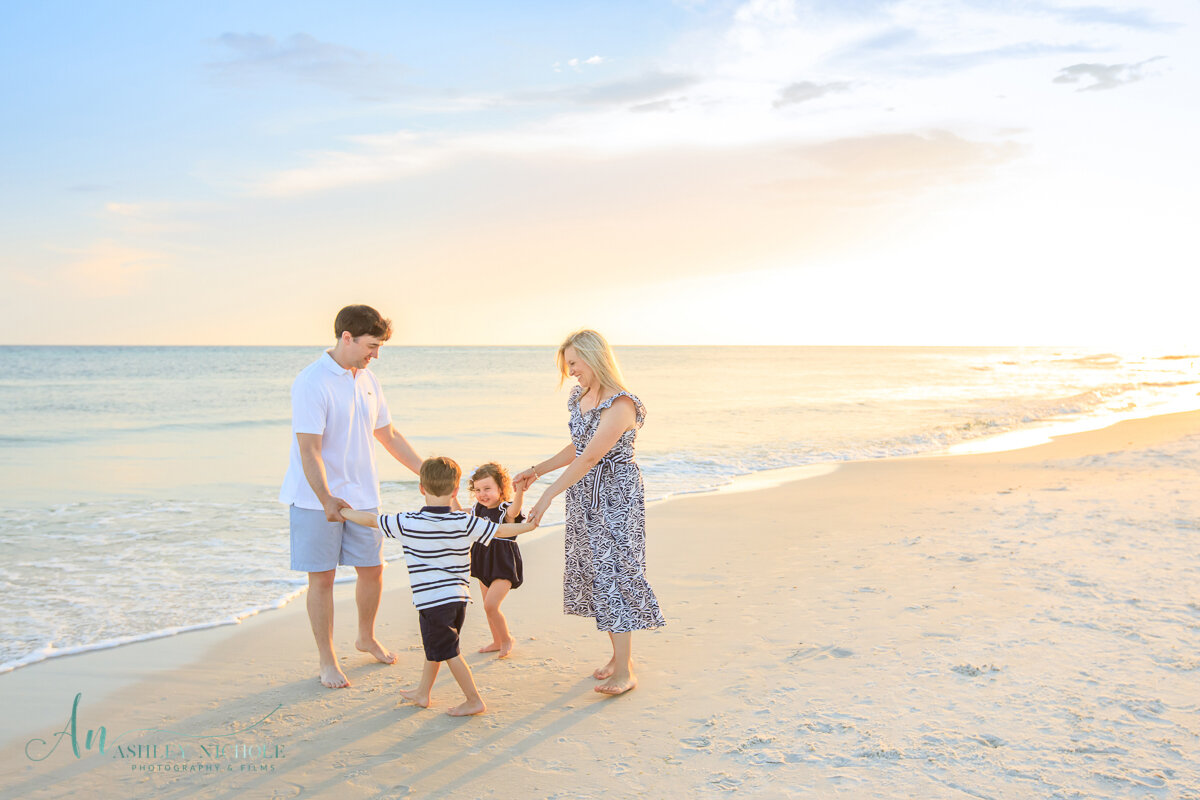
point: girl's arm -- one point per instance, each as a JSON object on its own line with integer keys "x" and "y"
{"x": 514, "y": 507}
{"x": 614, "y": 421}
{"x": 559, "y": 460}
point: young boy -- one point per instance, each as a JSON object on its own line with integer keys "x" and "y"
{"x": 437, "y": 547}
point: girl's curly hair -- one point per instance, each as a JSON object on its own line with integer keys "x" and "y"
{"x": 497, "y": 473}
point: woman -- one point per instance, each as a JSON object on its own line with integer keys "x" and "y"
{"x": 605, "y": 568}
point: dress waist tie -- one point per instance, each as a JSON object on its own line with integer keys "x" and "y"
{"x": 606, "y": 463}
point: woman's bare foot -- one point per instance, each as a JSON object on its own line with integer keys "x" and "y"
{"x": 617, "y": 684}
{"x": 607, "y": 670}
{"x": 416, "y": 697}
{"x": 333, "y": 677}
{"x": 373, "y": 647}
{"x": 506, "y": 648}
{"x": 468, "y": 708}
{"x": 490, "y": 648}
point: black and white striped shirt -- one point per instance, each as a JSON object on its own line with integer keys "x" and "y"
{"x": 437, "y": 548}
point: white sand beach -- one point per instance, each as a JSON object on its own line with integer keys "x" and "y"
{"x": 1000, "y": 625}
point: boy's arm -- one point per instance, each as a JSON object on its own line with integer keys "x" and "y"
{"x": 509, "y": 530}
{"x": 360, "y": 517}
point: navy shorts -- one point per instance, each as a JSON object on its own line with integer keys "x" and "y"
{"x": 440, "y": 626}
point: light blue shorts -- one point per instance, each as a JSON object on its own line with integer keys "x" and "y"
{"x": 319, "y": 545}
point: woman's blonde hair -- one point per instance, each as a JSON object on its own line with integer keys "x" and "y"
{"x": 593, "y": 349}
{"x": 497, "y": 473}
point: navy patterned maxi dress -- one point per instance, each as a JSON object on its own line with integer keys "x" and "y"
{"x": 605, "y": 571}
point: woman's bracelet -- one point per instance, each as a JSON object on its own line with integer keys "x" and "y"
{"x": 533, "y": 469}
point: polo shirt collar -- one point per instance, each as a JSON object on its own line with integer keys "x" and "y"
{"x": 436, "y": 509}
{"x": 333, "y": 366}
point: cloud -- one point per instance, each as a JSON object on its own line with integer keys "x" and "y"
{"x": 305, "y": 59}
{"x": 108, "y": 268}
{"x": 578, "y": 63}
{"x": 903, "y": 51}
{"x": 1136, "y": 18}
{"x": 644, "y": 88}
{"x": 653, "y": 106}
{"x": 1099, "y": 77}
{"x": 870, "y": 169}
{"x": 804, "y": 91}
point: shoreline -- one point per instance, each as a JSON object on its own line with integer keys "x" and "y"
{"x": 1040, "y": 433}
{"x": 885, "y": 584}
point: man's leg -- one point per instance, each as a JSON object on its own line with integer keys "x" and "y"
{"x": 367, "y": 591}
{"x": 320, "y": 616}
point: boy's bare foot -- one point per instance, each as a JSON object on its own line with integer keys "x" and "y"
{"x": 468, "y": 708}
{"x": 333, "y": 677}
{"x": 618, "y": 684}
{"x": 416, "y": 697}
{"x": 376, "y": 649}
{"x": 490, "y": 648}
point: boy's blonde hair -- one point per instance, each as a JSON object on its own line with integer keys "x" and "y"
{"x": 594, "y": 351}
{"x": 440, "y": 475}
{"x": 497, "y": 473}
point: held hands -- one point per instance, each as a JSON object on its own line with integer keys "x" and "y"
{"x": 333, "y": 509}
{"x": 524, "y": 479}
{"x": 538, "y": 511}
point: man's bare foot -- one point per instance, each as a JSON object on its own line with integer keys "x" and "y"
{"x": 607, "y": 670}
{"x": 618, "y": 684}
{"x": 416, "y": 697}
{"x": 333, "y": 677}
{"x": 467, "y": 709}
{"x": 376, "y": 649}
{"x": 489, "y": 648}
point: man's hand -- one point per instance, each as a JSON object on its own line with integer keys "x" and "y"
{"x": 333, "y": 508}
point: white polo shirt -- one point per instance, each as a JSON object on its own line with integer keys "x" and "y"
{"x": 345, "y": 408}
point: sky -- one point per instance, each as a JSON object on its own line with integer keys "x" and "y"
{"x": 689, "y": 172}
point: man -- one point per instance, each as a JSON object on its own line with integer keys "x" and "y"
{"x": 337, "y": 411}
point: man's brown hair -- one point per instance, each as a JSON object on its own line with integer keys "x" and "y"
{"x": 362, "y": 321}
{"x": 439, "y": 475}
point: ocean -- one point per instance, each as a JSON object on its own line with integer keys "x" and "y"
{"x": 138, "y": 485}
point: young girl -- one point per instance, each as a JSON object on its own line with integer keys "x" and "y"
{"x": 497, "y": 566}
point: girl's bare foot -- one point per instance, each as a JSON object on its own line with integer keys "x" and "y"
{"x": 333, "y": 677}
{"x": 373, "y": 647}
{"x": 617, "y": 684}
{"x": 416, "y": 697}
{"x": 468, "y": 708}
{"x": 490, "y": 648}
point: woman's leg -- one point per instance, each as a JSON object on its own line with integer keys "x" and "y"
{"x": 621, "y": 679}
{"x": 606, "y": 671}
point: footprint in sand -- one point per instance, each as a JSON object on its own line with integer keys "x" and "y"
{"x": 813, "y": 652}
{"x": 972, "y": 671}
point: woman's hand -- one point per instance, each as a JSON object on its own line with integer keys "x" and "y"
{"x": 538, "y": 511}
{"x": 524, "y": 479}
